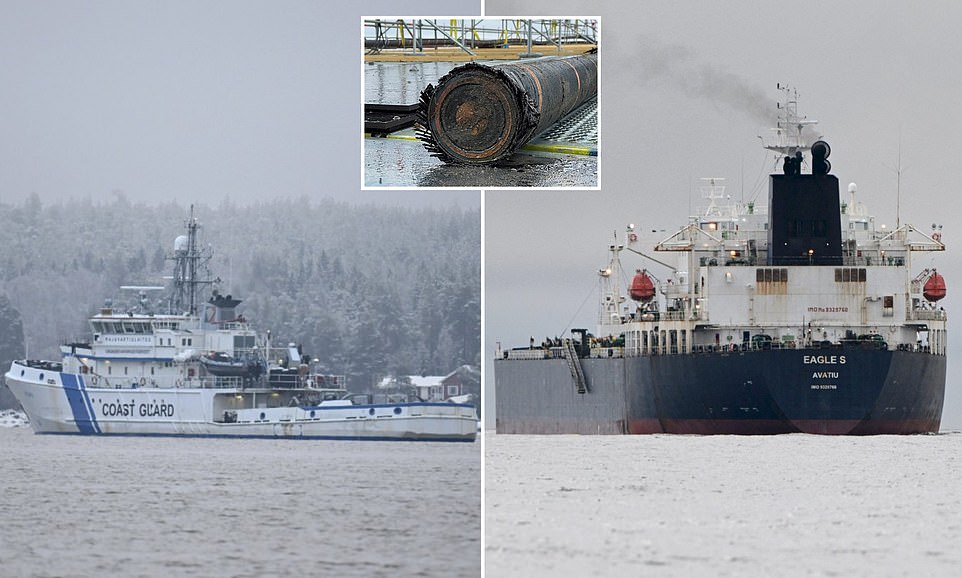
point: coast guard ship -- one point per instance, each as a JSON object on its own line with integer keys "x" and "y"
{"x": 200, "y": 369}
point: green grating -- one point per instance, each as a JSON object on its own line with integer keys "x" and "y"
{"x": 580, "y": 127}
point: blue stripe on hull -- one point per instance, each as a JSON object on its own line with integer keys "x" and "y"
{"x": 77, "y": 398}
{"x": 90, "y": 404}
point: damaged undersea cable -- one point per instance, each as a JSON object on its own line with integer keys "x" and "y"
{"x": 480, "y": 114}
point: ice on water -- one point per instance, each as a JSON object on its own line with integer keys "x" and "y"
{"x": 13, "y": 418}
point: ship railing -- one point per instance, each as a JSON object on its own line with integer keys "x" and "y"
{"x": 235, "y": 325}
{"x": 914, "y": 347}
{"x": 130, "y": 382}
{"x": 673, "y": 316}
{"x": 82, "y": 342}
{"x": 605, "y": 352}
{"x": 925, "y": 315}
{"x": 211, "y": 382}
{"x": 742, "y": 347}
{"x": 41, "y": 364}
{"x": 323, "y": 381}
{"x": 656, "y": 316}
{"x": 872, "y": 259}
{"x": 536, "y": 353}
{"x": 311, "y": 381}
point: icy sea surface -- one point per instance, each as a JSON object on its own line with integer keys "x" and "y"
{"x": 789, "y": 505}
{"x": 139, "y": 506}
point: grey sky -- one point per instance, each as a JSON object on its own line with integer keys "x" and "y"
{"x": 190, "y": 100}
{"x": 681, "y": 84}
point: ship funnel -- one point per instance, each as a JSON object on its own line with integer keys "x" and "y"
{"x": 804, "y": 220}
{"x": 820, "y": 153}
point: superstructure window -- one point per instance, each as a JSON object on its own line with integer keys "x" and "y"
{"x": 768, "y": 275}
{"x": 850, "y": 275}
{"x": 243, "y": 341}
{"x": 771, "y": 281}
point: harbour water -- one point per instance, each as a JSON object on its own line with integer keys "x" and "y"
{"x": 145, "y": 506}
{"x": 662, "y": 505}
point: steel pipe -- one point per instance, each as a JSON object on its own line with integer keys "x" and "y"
{"x": 480, "y": 114}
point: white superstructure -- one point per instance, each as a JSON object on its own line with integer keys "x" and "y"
{"x": 719, "y": 292}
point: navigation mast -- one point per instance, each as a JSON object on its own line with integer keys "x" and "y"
{"x": 787, "y": 138}
{"x": 188, "y": 260}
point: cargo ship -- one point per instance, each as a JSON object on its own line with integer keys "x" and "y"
{"x": 802, "y": 316}
{"x": 189, "y": 367}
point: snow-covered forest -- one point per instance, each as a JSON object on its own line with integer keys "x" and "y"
{"x": 369, "y": 290}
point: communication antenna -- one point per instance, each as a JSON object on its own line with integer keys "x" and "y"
{"x": 786, "y": 137}
{"x": 898, "y": 185}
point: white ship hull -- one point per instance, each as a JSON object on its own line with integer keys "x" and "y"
{"x": 66, "y": 403}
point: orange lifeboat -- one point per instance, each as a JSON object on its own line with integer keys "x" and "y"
{"x": 642, "y": 289}
{"x": 934, "y": 288}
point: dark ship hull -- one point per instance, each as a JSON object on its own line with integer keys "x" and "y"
{"x": 805, "y": 319}
{"x": 821, "y": 391}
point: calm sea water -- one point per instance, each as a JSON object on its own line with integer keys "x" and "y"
{"x": 85, "y": 506}
{"x": 790, "y": 505}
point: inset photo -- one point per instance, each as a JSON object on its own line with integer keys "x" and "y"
{"x": 481, "y": 103}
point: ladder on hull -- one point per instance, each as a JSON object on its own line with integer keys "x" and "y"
{"x": 574, "y": 365}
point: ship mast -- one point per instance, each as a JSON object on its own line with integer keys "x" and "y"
{"x": 188, "y": 260}
{"x": 611, "y": 278}
{"x": 787, "y": 136}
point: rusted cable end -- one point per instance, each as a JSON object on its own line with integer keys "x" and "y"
{"x": 421, "y": 125}
{"x": 476, "y": 115}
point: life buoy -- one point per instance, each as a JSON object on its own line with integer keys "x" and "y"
{"x": 936, "y": 236}
{"x": 143, "y": 381}
{"x": 632, "y": 237}
{"x": 94, "y": 380}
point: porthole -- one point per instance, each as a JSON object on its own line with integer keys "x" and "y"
{"x": 370, "y": 411}
{"x": 397, "y": 411}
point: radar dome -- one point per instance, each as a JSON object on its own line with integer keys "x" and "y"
{"x": 852, "y": 187}
{"x": 180, "y": 244}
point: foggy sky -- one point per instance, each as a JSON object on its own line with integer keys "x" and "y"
{"x": 194, "y": 101}
{"x": 683, "y": 94}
